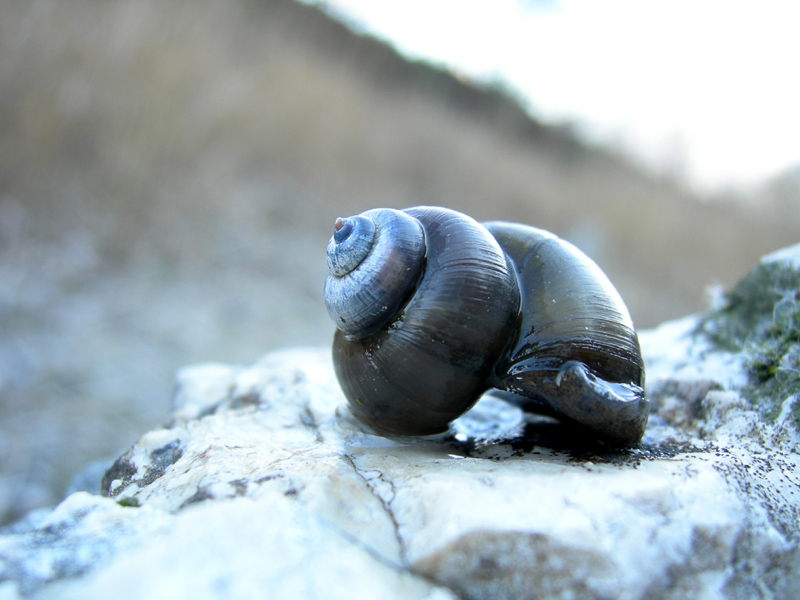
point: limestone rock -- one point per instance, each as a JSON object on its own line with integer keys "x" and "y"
{"x": 263, "y": 485}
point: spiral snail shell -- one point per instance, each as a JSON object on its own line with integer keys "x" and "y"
{"x": 433, "y": 309}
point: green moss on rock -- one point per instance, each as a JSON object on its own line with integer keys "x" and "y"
{"x": 761, "y": 319}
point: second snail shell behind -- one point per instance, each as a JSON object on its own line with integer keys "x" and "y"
{"x": 433, "y": 309}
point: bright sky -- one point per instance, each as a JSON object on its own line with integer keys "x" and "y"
{"x": 708, "y": 87}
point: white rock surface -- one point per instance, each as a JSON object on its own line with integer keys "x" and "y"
{"x": 263, "y": 486}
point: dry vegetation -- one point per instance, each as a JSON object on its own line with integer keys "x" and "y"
{"x": 169, "y": 174}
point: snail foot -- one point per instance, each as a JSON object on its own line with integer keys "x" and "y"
{"x": 616, "y": 412}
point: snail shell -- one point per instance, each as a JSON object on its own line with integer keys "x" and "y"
{"x": 433, "y": 309}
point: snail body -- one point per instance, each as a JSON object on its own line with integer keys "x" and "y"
{"x": 433, "y": 309}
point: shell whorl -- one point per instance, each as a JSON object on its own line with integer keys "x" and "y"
{"x": 435, "y": 357}
{"x": 374, "y": 260}
{"x": 350, "y": 244}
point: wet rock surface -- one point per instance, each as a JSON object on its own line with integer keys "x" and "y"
{"x": 262, "y": 484}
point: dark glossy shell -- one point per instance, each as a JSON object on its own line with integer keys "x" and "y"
{"x": 433, "y": 360}
{"x": 501, "y": 305}
{"x": 576, "y": 354}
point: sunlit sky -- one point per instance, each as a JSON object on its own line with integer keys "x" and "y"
{"x": 706, "y": 89}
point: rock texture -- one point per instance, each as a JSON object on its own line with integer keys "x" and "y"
{"x": 263, "y": 485}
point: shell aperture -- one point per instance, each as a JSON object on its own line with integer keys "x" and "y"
{"x": 577, "y": 354}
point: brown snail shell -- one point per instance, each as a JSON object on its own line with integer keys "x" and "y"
{"x": 433, "y": 309}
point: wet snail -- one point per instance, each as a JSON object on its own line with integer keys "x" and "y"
{"x": 433, "y": 309}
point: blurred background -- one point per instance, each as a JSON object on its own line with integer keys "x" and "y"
{"x": 170, "y": 172}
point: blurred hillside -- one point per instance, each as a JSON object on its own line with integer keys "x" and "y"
{"x": 169, "y": 176}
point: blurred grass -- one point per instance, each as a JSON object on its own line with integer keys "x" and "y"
{"x": 169, "y": 174}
